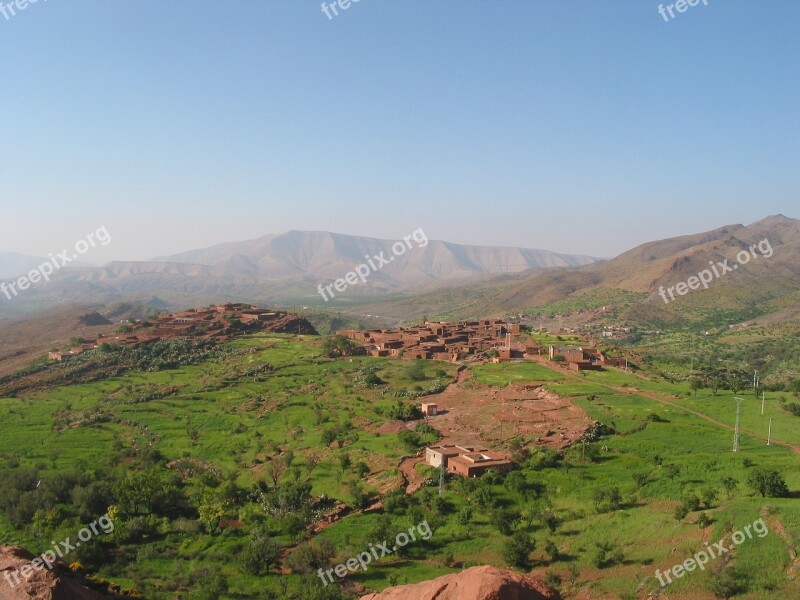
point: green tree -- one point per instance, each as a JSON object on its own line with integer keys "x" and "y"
{"x": 260, "y": 555}
{"x": 517, "y": 549}
{"x": 415, "y": 372}
{"x": 729, "y": 483}
{"x": 606, "y": 554}
{"x": 768, "y": 483}
{"x": 338, "y": 345}
{"x": 211, "y": 514}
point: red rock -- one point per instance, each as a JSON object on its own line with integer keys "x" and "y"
{"x": 476, "y": 583}
{"x": 44, "y": 584}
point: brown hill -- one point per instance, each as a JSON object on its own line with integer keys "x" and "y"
{"x": 476, "y": 583}
{"x": 642, "y": 270}
{"x": 28, "y": 339}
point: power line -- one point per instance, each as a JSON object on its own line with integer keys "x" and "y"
{"x": 736, "y": 429}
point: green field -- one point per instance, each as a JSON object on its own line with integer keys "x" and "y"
{"x": 272, "y": 435}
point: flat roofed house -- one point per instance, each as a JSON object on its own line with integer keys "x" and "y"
{"x": 429, "y": 409}
{"x": 475, "y": 464}
{"x": 436, "y": 455}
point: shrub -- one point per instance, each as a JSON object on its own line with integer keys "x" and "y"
{"x": 768, "y": 483}
{"x": 517, "y": 549}
{"x": 606, "y": 554}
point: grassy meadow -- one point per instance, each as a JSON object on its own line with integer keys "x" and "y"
{"x": 248, "y": 430}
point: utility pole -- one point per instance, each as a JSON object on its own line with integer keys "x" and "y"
{"x": 441, "y": 477}
{"x": 769, "y": 432}
{"x": 736, "y": 429}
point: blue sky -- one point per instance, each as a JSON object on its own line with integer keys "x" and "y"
{"x": 576, "y": 126}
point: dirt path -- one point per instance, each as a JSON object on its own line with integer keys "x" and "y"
{"x": 411, "y": 477}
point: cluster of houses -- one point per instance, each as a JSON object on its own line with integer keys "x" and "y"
{"x": 452, "y": 342}
{"x": 466, "y": 461}
{"x": 583, "y": 359}
{"x": 212, "y": 321}
{"x": 444, "y": 341}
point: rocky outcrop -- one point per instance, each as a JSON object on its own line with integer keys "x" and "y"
{"x": 477, "y": 583}
{"x": 43, "y": 584}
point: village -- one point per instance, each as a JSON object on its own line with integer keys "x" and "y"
{"x": 486, "y": 340}
{"x": 217, "y": 321}
{"x": 471, "y": 341}
{"x": 489, "y": 339}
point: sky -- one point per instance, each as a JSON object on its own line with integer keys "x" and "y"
{"x": 583, "y": 127}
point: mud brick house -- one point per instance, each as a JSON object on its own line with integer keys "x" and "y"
{"x": 475, "y": 464}
{"x": 445, "y": 341}
{"x": 436, "y": 455}
{"x": 467, "y": 461}
{"x": 581, "y": 359}
{"x": 429, "y": 409}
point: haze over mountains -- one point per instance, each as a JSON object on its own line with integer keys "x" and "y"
{"x": 443, "y": 278}
{"x": 762, "y": 286}
{"x": 286, "y": 268}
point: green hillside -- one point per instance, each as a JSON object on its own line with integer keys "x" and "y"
{"x": 216, "y": 472}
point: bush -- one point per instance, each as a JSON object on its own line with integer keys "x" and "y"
{"x": 414, "y": 371}
{"x": 606, "y": 554}
{"x": 517, "y": 549}
{"x": 768, "y": 483}
{"x": 260, "y": 555}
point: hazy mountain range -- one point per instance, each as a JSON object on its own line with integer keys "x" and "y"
{"x": 440, "y": 278}
{"x": 762, "y": 286}
{"x": 276, "y": 269}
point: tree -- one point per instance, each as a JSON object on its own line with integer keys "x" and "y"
{"x": 275, "y": 469}
{"x": 464, "y": 517}
{"x": 362, "y": 469}
{"x": 211, "y": 514}
{"x": 260, "y": 555}
{"x": 729, "y": 483}
{"x": 552, "y": 550}
{"x": 517, "y": 549}
{"x": 640, "y": 478}
{"x": 338, "y": 345}
{"x": 505, "y": 520}
{"x": 768, "y": 483}
{"x": 715, "y": 383}
{"x": 414, "y": 371}
{"x": 671, "y": 471}
{"x": 310, "y": 556}
{"x": 141, "y": 492}
{"x": 606, "y": 554}
{"x": 709, "y": 496}
{"x": 607, "y": 499}
{"x": 696, "y": 384}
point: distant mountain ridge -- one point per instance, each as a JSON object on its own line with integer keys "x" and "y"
{"x": 287, "y": 268}
{"x": 761, "y": 285}
{"x": 325, "y": 254}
